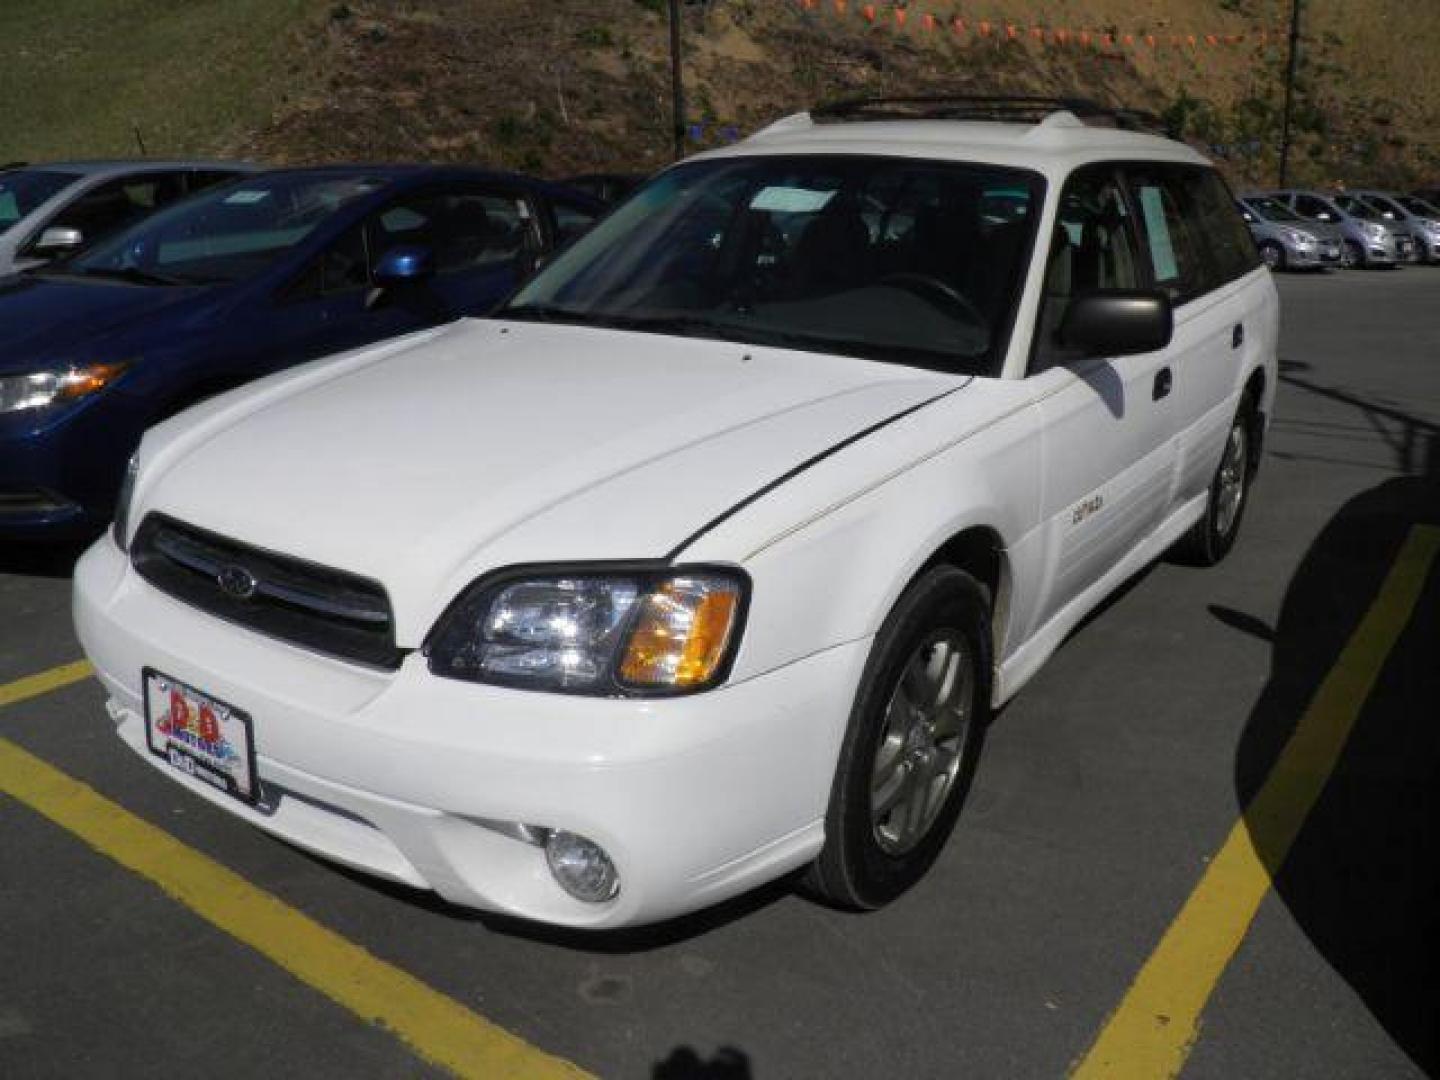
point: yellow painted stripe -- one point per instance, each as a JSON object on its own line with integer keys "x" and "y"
{"x": 43, "y": 683}
{"x": 438, "y": 1028}
{"x": 1151, "y": 1032}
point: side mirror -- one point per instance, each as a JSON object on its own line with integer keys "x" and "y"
{"x": 1117, "y": 322}
{"x": 55, "y": 240}
{"x": 404, "y": 265}
{"x": 398, "y": 267}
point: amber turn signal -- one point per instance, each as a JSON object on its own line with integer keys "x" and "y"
{"x": 683, "y": 632}
{"x": 83, "y": 381}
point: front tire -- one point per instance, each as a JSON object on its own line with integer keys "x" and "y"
{"x": 1211, "y": 538}
{"x": 1352, "y": 255}
{"x": 914, "y": 735}
{"x": 1273, "y": 255}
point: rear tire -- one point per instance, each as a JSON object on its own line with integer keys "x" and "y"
{"x": 910, "y": 750}
{"x": 1211, "y": 538}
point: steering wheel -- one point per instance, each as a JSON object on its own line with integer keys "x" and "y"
{"x": 928, "y": 287}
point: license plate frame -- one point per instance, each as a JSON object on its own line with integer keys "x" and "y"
{"x": 226, "y": 763}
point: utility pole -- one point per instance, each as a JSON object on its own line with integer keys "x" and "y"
{"x": 1290, "y": 69}
{"x": 677, "y": 86}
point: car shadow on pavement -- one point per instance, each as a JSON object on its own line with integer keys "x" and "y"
{"x": 48, "y": 560}
{"x": 1362, "y": 879}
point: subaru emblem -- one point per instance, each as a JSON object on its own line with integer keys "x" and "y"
{"x": 237, "y": 582}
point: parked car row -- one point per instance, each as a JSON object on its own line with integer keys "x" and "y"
{"x": 228, "y": 274}
{"x": 1302, "y": 229}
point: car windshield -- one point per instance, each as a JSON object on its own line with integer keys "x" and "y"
{"x": 1358, "y": 208}
{"x": 1272, "y": 209}
{"x": 897, "y": 260}
{"x": 22, "y": 190}
{"x": 1418, "y": 207}
{"x": 1388, "y": 207}
{"x": 228, "y": 234}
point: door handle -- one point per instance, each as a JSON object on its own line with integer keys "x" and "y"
{"x": 1237, "y": 336}
{"x": 1163, "y": 381}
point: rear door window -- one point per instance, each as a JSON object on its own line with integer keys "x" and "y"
{"x": 465, "y": 229}
{"x": 1178, "y": 260}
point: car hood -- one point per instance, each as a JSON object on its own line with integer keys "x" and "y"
{"x": 58, "y": 319}
{"x": 1322, "y": 230}
{"x": 427, "y": 462}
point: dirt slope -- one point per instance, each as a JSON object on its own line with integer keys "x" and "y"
{"x": 556, "y": 86}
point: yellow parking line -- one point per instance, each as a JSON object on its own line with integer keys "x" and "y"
{"x": 1151, "y": 1032}
{"x": 43, "y": 683}
{"x": 434, "y": 1026}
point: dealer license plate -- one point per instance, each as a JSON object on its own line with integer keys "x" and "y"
{"x": 201, "y": 736}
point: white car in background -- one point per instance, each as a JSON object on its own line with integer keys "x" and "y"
{"x": 707, "y": 558}
{"x": 56, "y": 209}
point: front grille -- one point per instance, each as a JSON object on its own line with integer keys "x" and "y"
{"x": 330, "y": 611}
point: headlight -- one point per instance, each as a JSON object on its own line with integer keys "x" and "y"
{"x": 594, "y": 630}
{"x": 1376, "y": 231}
{"x": 1295, "y": 236}
{"x": 35, "y": 391}
{"x": 121, "y": 529}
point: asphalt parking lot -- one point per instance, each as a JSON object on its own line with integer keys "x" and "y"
{"x": 1202, "y": 839}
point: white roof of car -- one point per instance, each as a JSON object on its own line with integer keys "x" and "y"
{"x": 1058, "y": 143}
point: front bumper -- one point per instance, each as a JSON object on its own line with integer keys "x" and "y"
{"x": 413, "y": 777}
{"x": 59, "y": 471}
{"x": 1310, "y": 256}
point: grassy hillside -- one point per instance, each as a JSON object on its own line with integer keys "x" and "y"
{"x": 79, "y": 76}
{"x": 566, "y": 85}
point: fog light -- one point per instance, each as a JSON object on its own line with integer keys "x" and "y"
{"x": 581, "y": 867}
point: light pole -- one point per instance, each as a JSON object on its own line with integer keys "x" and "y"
{"x": 677, "y": 86}
{"x": 1294, "y": 63}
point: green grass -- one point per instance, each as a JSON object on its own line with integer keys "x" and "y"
{"x": 78, "y": 76}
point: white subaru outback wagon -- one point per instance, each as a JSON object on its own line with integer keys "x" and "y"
{"x": 707, "y": 557}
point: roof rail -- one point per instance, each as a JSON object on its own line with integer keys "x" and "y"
{"x": 1015, "y": 109}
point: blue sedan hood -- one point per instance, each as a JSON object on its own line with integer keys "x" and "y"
{"x": 44, "y": 319}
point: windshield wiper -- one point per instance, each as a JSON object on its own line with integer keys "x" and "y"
{"x": 132, "y": 274}
{"x": 551, "y": 313}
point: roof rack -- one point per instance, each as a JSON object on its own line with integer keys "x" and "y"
{"x": 1015, "y": 109}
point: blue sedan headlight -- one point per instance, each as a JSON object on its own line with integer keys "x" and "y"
{"x": 41, "y": 388}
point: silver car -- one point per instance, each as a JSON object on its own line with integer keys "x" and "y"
{"x": 57, "y": 209}
{"x": 1417, "y": 215}
{"x": 1407, "y": 244}
{"x": 1286, "y": 240}
{"x": 1365, "y": 238}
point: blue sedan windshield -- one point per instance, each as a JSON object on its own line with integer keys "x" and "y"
{"x": 23, "y": 190}
{"x": 226, "y": 235}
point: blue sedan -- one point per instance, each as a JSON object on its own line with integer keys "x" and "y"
{"x": 232, "y": 284}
